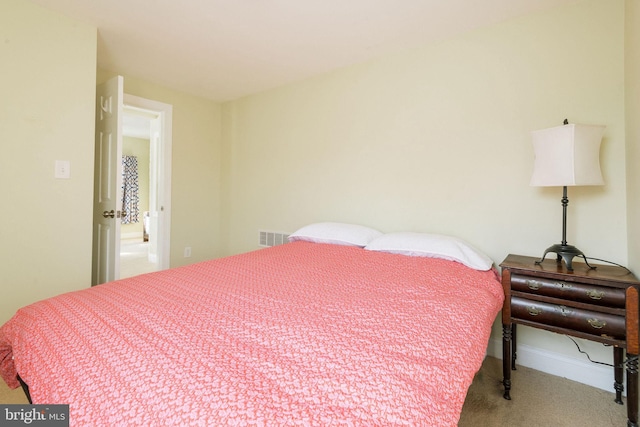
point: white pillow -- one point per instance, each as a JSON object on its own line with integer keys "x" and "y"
{"x": 432, "y": 246}
{"x": 336, "y": 233}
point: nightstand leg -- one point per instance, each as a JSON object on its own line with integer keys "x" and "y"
{"x": 632, "y": 390}
{"x": 506, "y": 360}
{"x": 514, "y": 346}
{"x": 618, "y": 374}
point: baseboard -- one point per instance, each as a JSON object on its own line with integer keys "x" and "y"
{"x": 581, "y": 371}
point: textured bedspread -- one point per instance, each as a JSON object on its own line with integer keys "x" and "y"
{"x": 297, "y": 334}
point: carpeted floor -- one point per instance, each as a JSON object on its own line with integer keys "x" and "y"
{"x": 8, "y": 396}
{"x": 134, "y": 258}
{"x": 538, "y": 400}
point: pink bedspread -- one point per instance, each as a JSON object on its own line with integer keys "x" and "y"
{"x": 297, "y": 334}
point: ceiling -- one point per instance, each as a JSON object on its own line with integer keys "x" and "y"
{"x": 226, "y": 49}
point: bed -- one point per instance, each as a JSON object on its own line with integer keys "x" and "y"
{"x": 305, "y": 333}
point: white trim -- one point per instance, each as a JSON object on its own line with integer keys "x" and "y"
{"x": 560, "y": 365}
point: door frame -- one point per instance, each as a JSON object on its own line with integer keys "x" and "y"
{"x": 165, "y": 112}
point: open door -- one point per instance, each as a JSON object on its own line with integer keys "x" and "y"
{"x": 107, "y": 182}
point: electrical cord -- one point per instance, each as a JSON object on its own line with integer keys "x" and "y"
{"x": 587, "y": 354}
{"x": 609, "y": 262}
{"x": 622, "y": 365}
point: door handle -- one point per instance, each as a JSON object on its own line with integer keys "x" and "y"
{"x": 109, "y": 214}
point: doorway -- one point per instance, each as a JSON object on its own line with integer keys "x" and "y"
{"x": 146, "y": 160}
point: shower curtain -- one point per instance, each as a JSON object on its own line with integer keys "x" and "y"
{"x": 130, "y": 198}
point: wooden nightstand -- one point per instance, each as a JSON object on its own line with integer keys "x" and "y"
{"x": 599, "y": 305}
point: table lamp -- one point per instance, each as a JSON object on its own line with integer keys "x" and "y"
{"x": 567, "y": 155}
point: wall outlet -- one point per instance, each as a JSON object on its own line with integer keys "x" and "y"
{"x": 62, "y": 169}
{"x": 187, "y": 252}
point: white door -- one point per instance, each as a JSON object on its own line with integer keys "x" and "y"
{"x": 107, "y": 182}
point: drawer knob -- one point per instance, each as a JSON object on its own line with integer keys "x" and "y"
{"x": 598, "y": 324}
{"x": 594, "y": 294}
{"x": 534, "y": 311}
{"x": 534, "y": 285}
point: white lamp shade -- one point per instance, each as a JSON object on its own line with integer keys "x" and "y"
{"x": 567, "y": 155}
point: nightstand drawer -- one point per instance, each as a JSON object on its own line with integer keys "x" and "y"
{"x": 590, "y": 322}
{"x": 582, "y": 292}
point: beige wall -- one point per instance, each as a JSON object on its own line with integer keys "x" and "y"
{"x": 47, "y": 114}
{"x": 438, "y": 140}
{"x": 632, "y": 98}
{"x": 196, "y": 148}
{"x": 47, "y": 89}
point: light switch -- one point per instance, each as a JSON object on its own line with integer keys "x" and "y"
{"x": 63, "y": 169}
